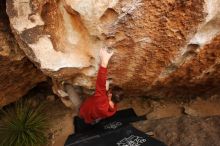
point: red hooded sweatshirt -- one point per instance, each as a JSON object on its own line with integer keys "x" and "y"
{"x": 97, "y": 106}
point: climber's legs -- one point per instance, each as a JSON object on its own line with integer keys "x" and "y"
{"x": 73, "y": 96}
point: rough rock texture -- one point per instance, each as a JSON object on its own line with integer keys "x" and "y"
{"x": 17, "y": 74}
{"x": 164, "y": 48}
{"x": 185, "y": 130}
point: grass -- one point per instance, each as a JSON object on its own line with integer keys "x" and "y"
{"x": 23, "y": 125}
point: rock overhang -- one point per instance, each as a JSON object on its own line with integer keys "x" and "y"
{"x": 153, "y": 40}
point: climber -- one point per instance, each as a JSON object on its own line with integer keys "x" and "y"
{"x": 103, "y": 103}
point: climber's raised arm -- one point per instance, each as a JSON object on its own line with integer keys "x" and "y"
{"x": 105, "y": 56}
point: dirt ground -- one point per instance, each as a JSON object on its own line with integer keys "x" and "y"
{"x": 173, "y": 122}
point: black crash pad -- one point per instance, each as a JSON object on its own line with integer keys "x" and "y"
{"x": 113, "y": 131}
{"x": 122, "y": 117}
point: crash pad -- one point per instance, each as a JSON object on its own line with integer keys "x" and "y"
{"x": 113, "y": 131}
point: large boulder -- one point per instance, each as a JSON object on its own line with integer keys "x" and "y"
{"x": 162, "y": 48}
{"x": 184, "y": 130}
{"x": 17, "y": 74}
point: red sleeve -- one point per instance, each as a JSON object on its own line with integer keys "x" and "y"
{"x": 113, "y": 109}
{"x": 101, "y": 82}
{"x": 103, "y": 107}
{"x": 107, "y": 110}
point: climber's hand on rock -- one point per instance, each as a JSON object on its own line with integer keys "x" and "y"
{"x": 105, "y": 55}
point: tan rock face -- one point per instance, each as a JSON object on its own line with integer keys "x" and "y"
{"x": 162, "y": 48}
{"x": 17, "y": 74}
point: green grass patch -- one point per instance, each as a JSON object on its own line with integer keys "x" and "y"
{"x": 23, "y": 124}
